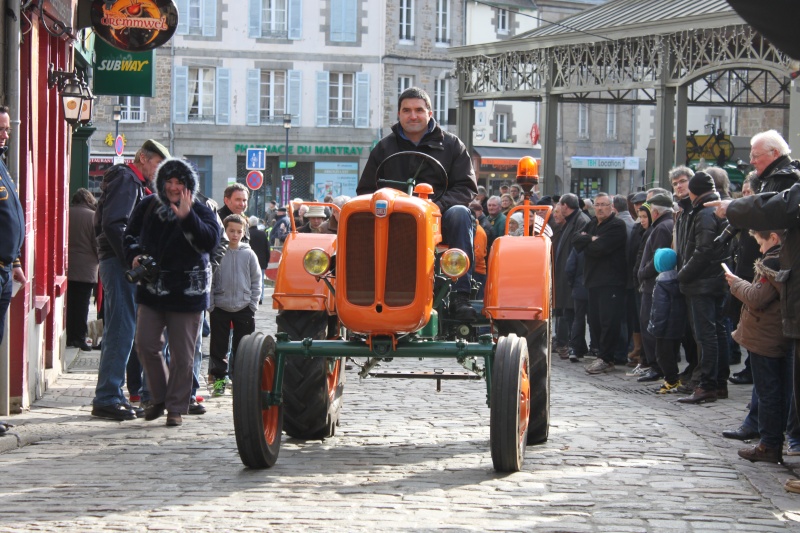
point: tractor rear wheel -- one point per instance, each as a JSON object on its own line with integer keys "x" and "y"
{"x": 510, "y": 404}
{"x": 257, "y": 428}
{"x": 539, "y": 354}
{"x": 312, "y": 386}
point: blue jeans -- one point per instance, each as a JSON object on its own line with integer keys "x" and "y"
{"x": 6, "y": 283}
{"x": 458, "y": 232}
{"x": 707, "y": 319}
{"x": 119, "y": 311}
{"x": 772, "y": 384}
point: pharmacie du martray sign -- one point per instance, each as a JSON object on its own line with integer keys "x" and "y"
{"x": 135, "y": 25}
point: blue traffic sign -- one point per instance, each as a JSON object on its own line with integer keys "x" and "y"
{"x": 256, "y": 159}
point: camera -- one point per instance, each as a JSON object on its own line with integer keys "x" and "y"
{"x": 146, "y": 271}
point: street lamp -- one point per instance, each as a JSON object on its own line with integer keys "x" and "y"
{"x": 116, "y": 116}
{"x": 287, "y": 125}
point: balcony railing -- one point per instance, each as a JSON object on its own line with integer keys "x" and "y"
{"x": 133, "y": 115}
{"x": 202, "y": 119}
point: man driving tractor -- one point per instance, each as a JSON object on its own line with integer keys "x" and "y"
{"x": 418, "y": 131}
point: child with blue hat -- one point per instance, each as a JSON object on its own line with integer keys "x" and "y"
{"x": 667, "y": 318}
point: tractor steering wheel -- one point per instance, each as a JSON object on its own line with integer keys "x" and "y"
{"x": 410, "y": 181}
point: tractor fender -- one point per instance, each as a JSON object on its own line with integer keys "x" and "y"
{"x": 518, "y": 284}
{"x": 295, "y": 288}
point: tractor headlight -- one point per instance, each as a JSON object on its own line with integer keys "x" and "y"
{"x": 454, "y": 263}
{"x": 316, "y": 262}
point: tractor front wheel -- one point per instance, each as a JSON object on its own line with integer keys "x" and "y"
{"x": 539, "y": 354}
{"x": 510, "y": 404}
{"x": 258, "y": 428}
{"x": 312, "y": 386}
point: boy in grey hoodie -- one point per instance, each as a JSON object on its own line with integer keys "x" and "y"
{"x": 235, "y": 291}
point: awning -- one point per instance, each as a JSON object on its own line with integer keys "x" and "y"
{"x": 501, "y": 158}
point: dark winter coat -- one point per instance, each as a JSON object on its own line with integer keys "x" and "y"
{"x": 606, "y": 264}
{"x": 700, "y": 255}
{"x": 660, "y": 237}
{"x": 180, "y": 247}
{"x": 634, "y": 253}
{"x": 643, "y": 236}
{"x": 260, "y": 245}
{"x": 443, "y": 146}
{"x": 83, "y": 261}
{"x": 768, "y": 211}
{"x": 778, "y": 176}
{"x": 280, "y": 230}
{"x": 668, "y": 312}
{"x": 760, "y": 329}
{"x": 573, "y": 225}
{"x": 575, "y": 265}
{"x": 123, "y": 188}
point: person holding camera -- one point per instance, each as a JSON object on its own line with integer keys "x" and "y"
{"x": 168, "y": 241}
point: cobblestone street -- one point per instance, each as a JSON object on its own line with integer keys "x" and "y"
{"x": 405, "y": 457}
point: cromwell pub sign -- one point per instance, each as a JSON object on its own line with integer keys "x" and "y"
{"x": 135, "y": 25}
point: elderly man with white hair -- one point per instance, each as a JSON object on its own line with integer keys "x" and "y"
{"x": 769, "y": 154}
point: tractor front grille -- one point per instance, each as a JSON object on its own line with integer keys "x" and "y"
{"x": 401, "y": 262}
{"x": 361, "y": 259}
{"x": 401, "y": 265}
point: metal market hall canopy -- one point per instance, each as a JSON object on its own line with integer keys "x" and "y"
{"x": 630, "y": 52}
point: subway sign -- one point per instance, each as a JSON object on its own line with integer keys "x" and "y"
{"x": 121, "y": 73}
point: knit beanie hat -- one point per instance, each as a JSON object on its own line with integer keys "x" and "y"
{"x": 646, "y": 208}
{"x": 701, "y": 183}
{"x": 665, "y": 259}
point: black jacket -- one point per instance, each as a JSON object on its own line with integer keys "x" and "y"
{"x": 573, "y": 225}
{"x": 443, "y": 146}
{"x": 122, "y": 191}
{"x": 702, "y": 272}
{"x": 606, "y": 264}
{"x": 773, "y": 210}
{"x": 181, "y": 248}
{"x": 778, "y": 176}
{"x": 659, "y": 237}
{"x": 260, "y": 245}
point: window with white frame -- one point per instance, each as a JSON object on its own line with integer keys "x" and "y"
{"x": 344, "y": 21}
{"x": 403, "y": 83}
{"x": 273, "y": 19}
{"x": 501, "y": 127}
{"x": 406, "y": 21}
{"x": 202, "y": 164}
{"x": 198, "y": 17}
{"x": 273, "y": 96}
{"x": 443, "y": 21}
{"x": 201, "y": 94}
{"x": 502, "y": 20}
{"x": 611, "y": 121}
{"x": 340, "y": 99}
{"x": 583, "y": 121}
{"x": 132, "y": 109}
{"x": 440, "y": 101}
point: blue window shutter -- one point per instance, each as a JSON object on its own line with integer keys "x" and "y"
{"x": 181, "y": 97}
{"x": 253, "y": 97}
{"x": 295, "y": 94}
{"x": 223, "y": 96}
{"x": 322, "y": 98}
{"x": 209, "y": 18}
{"x": 295, "y": 19}
{"x": 337, "y": 20}
{"x": 350, "y": 21}
{"x": 255, "y": 19}
{"x": 362, "y": 100}
{"x": 183, "y": 17}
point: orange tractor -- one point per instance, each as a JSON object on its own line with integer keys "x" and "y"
{"x": 378, "y": 290}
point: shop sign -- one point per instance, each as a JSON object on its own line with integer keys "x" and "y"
{"x": 135, "y": 25}
{"x": 606, "y": 163}
{"x": 303, "y": 149}
{"x": 120, "y": 73}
